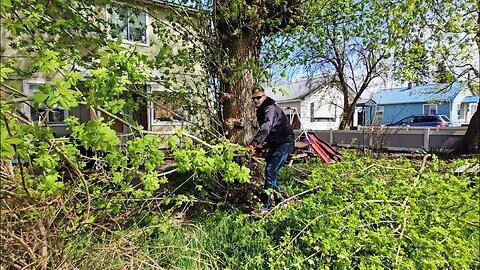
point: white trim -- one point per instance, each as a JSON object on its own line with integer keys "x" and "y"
{"x": 149, "y": 116}
{"x": 151, "y": 112}
{"x": 26, "y": 91}
{"x": 168, "y": 123}
{"x": 287, "y": 101}
{"x": 147, "y": 24}
{"x": 27, "y": 110}
{"x": 430, "y": 104}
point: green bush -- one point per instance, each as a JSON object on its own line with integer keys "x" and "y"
{"x": 390, "y": 213}
{"x": 359, "y": 214}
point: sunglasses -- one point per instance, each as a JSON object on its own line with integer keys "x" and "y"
{"x": 257, "y": 97}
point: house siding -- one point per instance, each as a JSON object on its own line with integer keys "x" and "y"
{"x": 402, "y": 102}
{"x": 394, "y": 113}
{"x": 459, "y": 119}
{"x": 328, "y": 104}
{"x": 327, "y": 108}
{"x": 445, "y": 109}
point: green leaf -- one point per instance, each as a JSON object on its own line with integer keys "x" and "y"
{"x": 4, "y": 73}
{"x": 6, "y": 3}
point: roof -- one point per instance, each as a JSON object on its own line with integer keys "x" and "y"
{"x": 470, "y": 99}
{"x": 293, "y": 91}
{"x": 366, "y": 103}
{"x": 418, "y": 94}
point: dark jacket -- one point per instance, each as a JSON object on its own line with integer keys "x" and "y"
{"x": 275, "y": 128}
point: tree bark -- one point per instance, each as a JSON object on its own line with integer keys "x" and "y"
{"x": 239, "y": 120}
{"x": 237, "y": 80}
{"x": 240, "y": 26}
{"x": 346, "y": 116}
{"x": 347, "y": 105}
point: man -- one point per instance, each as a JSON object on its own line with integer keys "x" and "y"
{"x": 276, "y": 131}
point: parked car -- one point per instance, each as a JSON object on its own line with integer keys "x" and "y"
{"x": 424, "y": 120}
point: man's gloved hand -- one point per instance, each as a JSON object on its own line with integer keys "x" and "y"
{"x": 251, "y": 148}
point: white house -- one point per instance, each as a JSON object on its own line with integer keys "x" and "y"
{"x": 309, "y": 104}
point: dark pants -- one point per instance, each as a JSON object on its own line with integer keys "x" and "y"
{"x": 276, "y": 157}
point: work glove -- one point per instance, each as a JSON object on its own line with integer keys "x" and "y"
{"x": 251, "y": 148}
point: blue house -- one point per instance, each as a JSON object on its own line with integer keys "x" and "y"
{"x": 453, "y": 100}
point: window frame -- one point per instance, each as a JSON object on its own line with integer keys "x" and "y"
{"x": 404, "y": 120}
{"x": 151, "y": 106}
{"x": 380, "y": 111}
{"x": 28, "y": 109}
{"x": 473, "y": 107}
{"x": 429, "y": 106}
{"x": 320, "y": 119}
{"x": 110, "y": 17}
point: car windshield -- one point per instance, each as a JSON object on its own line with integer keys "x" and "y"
{"x": 445, "y": 118}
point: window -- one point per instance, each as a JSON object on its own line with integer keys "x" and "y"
{"x": 421, "y": 119}
{"x": 430, "y": 108}
{"x": 54, "y": 116}
{"x": 167, "y": 107}
{"x": 129, "y": 23}
{"x": 473, "y": 108}
{"x": 406, "y": 120}
{"x": 379, "y": 111}
{"x": 328, "y": 113}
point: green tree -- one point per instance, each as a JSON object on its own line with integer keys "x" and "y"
{"x": 231, "y": 49}
{"x": 348, "y": 42}
{"x": 49, "y": 191}
{"x": 355, "y": 43}
{"x": 448, "y": 32}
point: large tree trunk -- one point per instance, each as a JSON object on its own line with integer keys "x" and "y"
{"x": 347, "y": 109}
{"x": 239, "y": 121}
{"x": 240, "y": 26}
{"x": 238, "y": 112}
{"x": 237, "y": 80}
{"x": 346, "y": 117}
{"x": 471, "y": 140}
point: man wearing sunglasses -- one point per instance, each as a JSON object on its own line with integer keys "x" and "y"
{"x": 277, "y": 133}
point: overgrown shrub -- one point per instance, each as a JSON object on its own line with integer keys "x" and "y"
{"x": 390, "y": 213}
{"x": 360, "y": 213}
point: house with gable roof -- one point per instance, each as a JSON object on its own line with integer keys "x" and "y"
{"x": 454, "y": 100}
{"x": 309, "y": 104}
